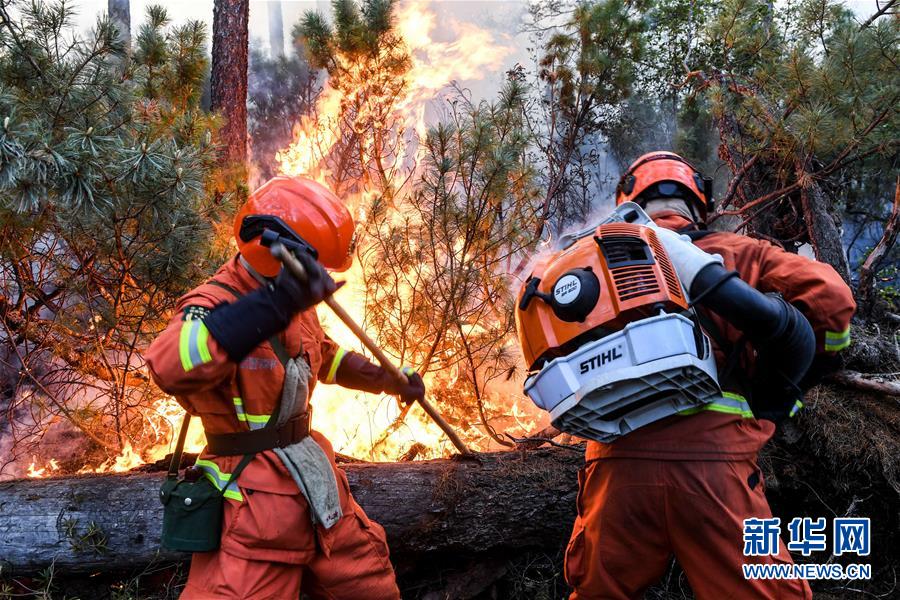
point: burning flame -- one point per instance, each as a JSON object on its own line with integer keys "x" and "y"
{"x": 355, "y": 422}
{"x": 360, "y": 424}
{"x": 434, "y": 65}
{"x": 49, "y": 468}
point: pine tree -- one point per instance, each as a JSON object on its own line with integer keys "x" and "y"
{"x": 106, "y": 164}
{"x": 435, "y": 293}
{"x": 802, "y": 96}
{"x": 366, "y": 61}
{"x": 590, "y": 55}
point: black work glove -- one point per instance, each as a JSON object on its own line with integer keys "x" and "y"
{"x": 243, "y": 325}
{"x": 291, "y": 295}
{"x": 774, "y": 396}
{"x": 410, "y": 392}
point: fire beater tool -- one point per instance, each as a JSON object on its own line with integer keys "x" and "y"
{"x": 608, "y": 334}
{"x": 280, "y": 251}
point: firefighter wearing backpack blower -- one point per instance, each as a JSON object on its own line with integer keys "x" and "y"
{"x": 243, "y": 352}
{"x": 683, "y": 485}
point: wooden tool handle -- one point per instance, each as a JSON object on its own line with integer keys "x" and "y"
{"x": 296, "y": 268}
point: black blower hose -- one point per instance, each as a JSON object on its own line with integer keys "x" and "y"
{"x": 783, "y": 338}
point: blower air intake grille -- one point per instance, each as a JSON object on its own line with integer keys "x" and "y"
{"x": 632, "y": 282}
{"x": 630, "y": 262}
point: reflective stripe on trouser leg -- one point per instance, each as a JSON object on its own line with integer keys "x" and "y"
{"x": 837, "y": 340}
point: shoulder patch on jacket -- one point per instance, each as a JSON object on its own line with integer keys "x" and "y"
{"x": 194, "y": 313}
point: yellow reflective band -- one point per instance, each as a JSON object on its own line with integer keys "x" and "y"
{"x": 218, "y": 479}
{"x": 193, "y": 346}
{"x": 203, "y": 343}
{"x": 335, "y": 363}
{"x": 253, "y": 418}
{"x": 238, "y": 401}
{"x": 836, "y": 341}
{"x": 737, "y": 406}
{"x": 796, "y": 408}
{"x": 183, "y": 345}
{"x": 837, "y": 335}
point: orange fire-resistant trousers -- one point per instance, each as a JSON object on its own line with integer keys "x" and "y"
{"x": 634, "y": 514}
{"x": 349, "y": 562}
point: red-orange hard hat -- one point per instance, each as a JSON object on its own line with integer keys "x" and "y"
{"x": 665, "y": 174}
{"x": 295, "y": 207}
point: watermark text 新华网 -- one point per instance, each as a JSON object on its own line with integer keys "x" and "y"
{"x": 806, "y": 536}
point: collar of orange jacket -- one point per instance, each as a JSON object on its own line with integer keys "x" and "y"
{"x": 245, "y": 281}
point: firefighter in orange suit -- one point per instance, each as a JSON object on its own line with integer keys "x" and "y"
{"x": 683, "y": 486}
{"x": 219, "y": 357}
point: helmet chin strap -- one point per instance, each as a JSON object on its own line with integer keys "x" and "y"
{"x": 253, "y": 272}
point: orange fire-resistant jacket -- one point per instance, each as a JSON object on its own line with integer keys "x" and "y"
{"x": 726, "y": 430}
{"x": 188, "y": 363}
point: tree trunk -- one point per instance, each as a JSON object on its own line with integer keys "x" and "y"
{"x": 276, "y": 29}
{"x": 824, "y": 234}
{"x": 506, "y": 500}
{"x": 228, "y": 80}
{"x": 120, "y": 14}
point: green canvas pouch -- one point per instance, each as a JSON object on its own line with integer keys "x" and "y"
{"x": 192, "y": 515}
{"x": 193, "y": 508}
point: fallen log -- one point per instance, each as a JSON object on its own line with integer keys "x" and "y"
{"x": 860, "y": 381}
{"x": 503, "y": 500}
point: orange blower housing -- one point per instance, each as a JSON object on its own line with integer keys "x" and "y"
{"x": 595, "y": 287}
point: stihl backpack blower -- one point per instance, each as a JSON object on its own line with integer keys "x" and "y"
{"x": 607, "y": 332}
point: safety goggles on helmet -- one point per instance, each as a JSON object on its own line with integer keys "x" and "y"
{"x": 255, "y": 225}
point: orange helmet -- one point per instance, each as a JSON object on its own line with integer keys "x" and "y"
{"x": 304, "y": 212}
{"x": 662, "y": 175}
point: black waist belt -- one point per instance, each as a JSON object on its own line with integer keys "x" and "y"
{"x": 251, "y": 442}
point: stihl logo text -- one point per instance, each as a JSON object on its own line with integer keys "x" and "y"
{"x": 601, "y": 359}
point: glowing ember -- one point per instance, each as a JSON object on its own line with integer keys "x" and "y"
{"x": 48, "y": 469}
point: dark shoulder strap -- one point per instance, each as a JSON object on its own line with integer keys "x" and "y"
{"x": 283, "y": 357}
{"x": 696, "y": 234}
{"x": 175, "y": 463}
{"x": 730, "y": 375}
{"x": 225, "y": 287}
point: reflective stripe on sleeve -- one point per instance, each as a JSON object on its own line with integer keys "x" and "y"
{"x": 729, "y": 403}
{"x": 193, "y": 345}
{"x": 796, "y": 408}
{"x": 254, "y": 421}
{"x": 835, "y": 341}
{"x": 219, "y": 479}
{"x": 335, "y": 363}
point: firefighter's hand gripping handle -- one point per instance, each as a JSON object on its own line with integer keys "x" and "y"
{"x": 296, "y": 268}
